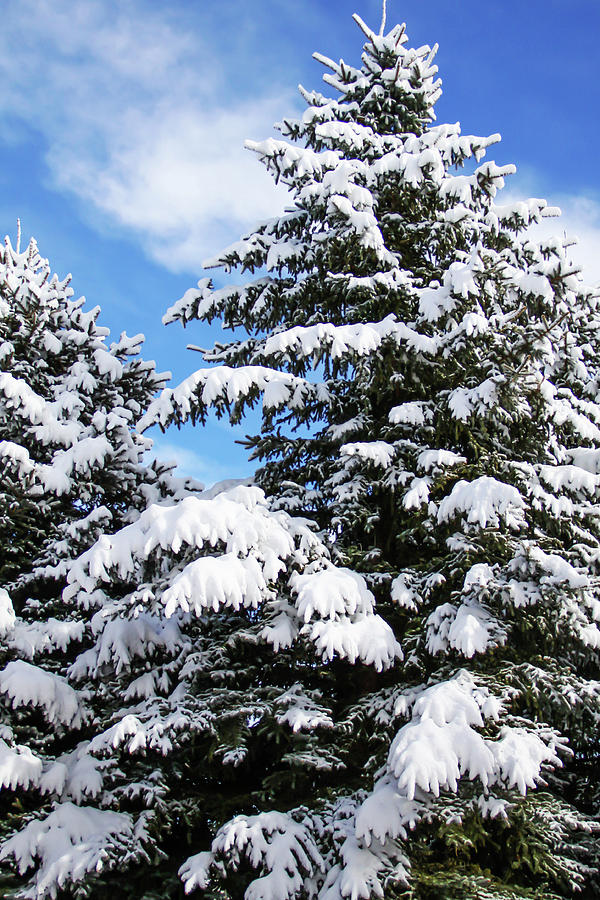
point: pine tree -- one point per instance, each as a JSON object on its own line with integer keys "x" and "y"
{"x": 72, "y": 464}
{"x": 428, "y": 378}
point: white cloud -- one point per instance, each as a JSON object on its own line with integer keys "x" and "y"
{"x": 580, "y": 219}
{"x": 193, "y": 465}
{"x": 579, "y": 222}
{"x": 141, "y": 120}
{"x": 143, "y": 110}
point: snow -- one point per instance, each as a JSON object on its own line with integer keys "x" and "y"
{"x": 465, "y": 402}
{"x": 301, "y": 712}
{"x": 7, "y": 614}
{"x": 331, "y": 593}
{"x": 31, "y": 639}
{"x": 486, "y": 341}
{"x": 403, "y": 593}
{"x": 340, "y": 340}
{"x": 417, "y": 494}
{"x": 195, "y": 871}
{"x": 211, "y": 582}
{"x": 108, "y": 364}
{"x": 15, "y": 453}
{"x": 18, "y": 767}
{"x": 441, "y": 744}
{"x": 238, "y": 519}
{"x": 557, "y": 570}
{"x": 70, "y": 842}
{"x": 379, "y": 453}
{"x": 272, "y": 842}
{"x": 74, "y": 775}
{"x": 408, "y": 414}
{"x": 282, "y": 630}
{"x": 469, "y": 633}
{"x": 386, "y": 813}
{"x": 367, "y": 638}
{"x": 228, "y": 385}
{"x": 119, "y": 640}
{"x": 305, "y": 341}
{"x": 484, "y": 502}
{"x": 572, "y": 477}
{"x": 519, "y": 756}
{"x": 439, "y": 459}
{"x": 28, "y": 685}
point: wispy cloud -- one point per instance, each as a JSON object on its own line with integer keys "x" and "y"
{"x": 191, "y": 464}
{"x": 579, "y": 222}
{"x": 140, "y": 119}
{"x": 143, "y": 110}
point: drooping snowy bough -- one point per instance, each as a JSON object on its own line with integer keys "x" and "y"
{"x": 407, "y": 700}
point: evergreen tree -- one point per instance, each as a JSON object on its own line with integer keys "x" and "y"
{"x": 71, "y": 465}
{"x": 449, "y": 442}
{"x": 428, "y": 378}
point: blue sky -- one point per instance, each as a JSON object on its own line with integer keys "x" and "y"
{"x": 122, "y": 125}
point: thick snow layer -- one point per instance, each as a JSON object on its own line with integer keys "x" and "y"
{"x": 519, "y": 756}
{"x": 272, "y": 842}
{"x": 214, "y": 581}
{"x": 65, "y": 846}
{"x": 333, "y": 608}
{"x": 573, "y": 478}
{"x": 332, "y": 593}
{"x": 223, "y": 384}
{"x": 403, "y": 593}
{"x": 7, "y": 614}
{"x": 30, "y": 639}
{"x": 74, "y": 776}
{"x": 386, "y": 813}
{"x": 557, "y": 570}
{"x": 429, "y": 460}
{"x": 282, "y": 628}
{"x": 339, "y": 340}
{"x": 367, "y": 638}
{"x": 413, "y": 413}
{"x": 484, "y": 502}
{"x": 379, "y": 453}
{"x": 442, "y": 744}
{"x": 417, "y": 493}
{"x": 17, "y": 455}
{"x": 237, "y": 519}
{"x": 469, "y": 629}
{"x": 18, "y": 767}
{"x": 28, "y": 685}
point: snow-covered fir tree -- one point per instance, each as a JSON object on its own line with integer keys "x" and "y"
{"x": 445, "y": 364}
{"x": 71, "y": 465}
{"x": 403, "y": 703}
